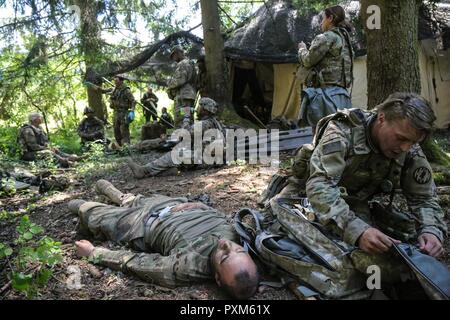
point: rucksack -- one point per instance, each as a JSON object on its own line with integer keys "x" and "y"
{"x": 298, "y": 251}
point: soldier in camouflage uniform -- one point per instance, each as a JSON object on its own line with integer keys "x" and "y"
{"x": 34, "y": 143}
{"x": 328, "y": 65}
{"x": 150, "y": 102}
{"x": 166, "y": 119}
{"x": 178, "y": 243}
{"x": 206, "y": 114}
{"x": 91, "y": 128}
{"x": 122, "y": 102}
{"x": 182, "y": 88}
{"x": 357, "y": 156}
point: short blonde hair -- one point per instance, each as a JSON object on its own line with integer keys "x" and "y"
{"x": 34, "y": 116}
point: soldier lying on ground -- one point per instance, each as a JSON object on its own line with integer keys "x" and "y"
{"x": 190, "y": 242}
{"x": 357, "y": 155}
{"x": 34, "y": 143}
{"x": 206, "y": 114}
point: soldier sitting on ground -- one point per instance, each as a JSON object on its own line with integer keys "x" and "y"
{"x": 34, "y": 143}
{"x": 91, "y": 128}
{"x": 178, "y": 243}
{"x": 207, "y": 119}
{"x": 150, "y": 102}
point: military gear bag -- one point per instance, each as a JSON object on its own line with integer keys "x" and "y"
{"x": 433, "y": 275}
{"x": 298, "y": 250}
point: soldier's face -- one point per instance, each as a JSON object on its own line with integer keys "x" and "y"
{"x": 327, "y": 22}
{"x": 229, "y": 259}
{"x": 397, "y": 136}
{"x": 38, "y": 121}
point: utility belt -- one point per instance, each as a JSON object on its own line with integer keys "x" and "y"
{"x": 160, "y": 213}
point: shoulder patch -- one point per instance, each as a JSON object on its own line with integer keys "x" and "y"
{"x": 331, "y": 147}
{"x": 422, "y": 175}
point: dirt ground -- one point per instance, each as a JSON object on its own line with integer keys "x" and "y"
{"x": 229, "y": 188}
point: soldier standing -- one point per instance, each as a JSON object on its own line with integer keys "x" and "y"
{"x": 166, "y": 119}
{"x": 182, "y": 88}
{"x": 150, "y": 102}
{"x": 122, "y": 102}
{"x": 329, "y": 68}
{"x": 91, "y": 128}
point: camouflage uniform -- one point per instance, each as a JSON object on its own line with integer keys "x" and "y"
{"x": 150, "y": 101}
{"x": 329, "y": 62}
{"x": 122, "y": 100}
{"x": 34, "y": 146}
{"x": 175, "y": 247}
{"x": 91, "y": 129}
{"x": 168, "y": 119}
{"x": 165, "y": 162}
{"x": 32, "y": 140}
{"x": 344, "y": 174}
{"x": 182, "y": 89}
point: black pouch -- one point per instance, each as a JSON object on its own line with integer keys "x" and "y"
{"x": 433, "y": 275}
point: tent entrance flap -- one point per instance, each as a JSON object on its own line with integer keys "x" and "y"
{"x": 286, "y": 95}
{"x": 253, "y": 87}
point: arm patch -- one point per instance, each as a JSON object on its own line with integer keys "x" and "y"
{"x": 331, "y": 147}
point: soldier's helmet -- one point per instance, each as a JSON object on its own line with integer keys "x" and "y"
{"x": 121, "y": 76}
{"x": 174, "y": 49}
{"x": 88, "y": 110}
{"x": 208, "y": 104}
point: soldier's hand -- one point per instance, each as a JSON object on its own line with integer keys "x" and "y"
{"x": 430, "y": 245}
{"x": 84, "y": 248}
{"x": 301, "y": 45}
{"x": 374, "y": 241}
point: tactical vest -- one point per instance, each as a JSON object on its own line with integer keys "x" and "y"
{"x": 314, "y": 77}
{"x": 359, "y": 155}
{"x": 41, "y": 138}
{"x": 119, "y": 100}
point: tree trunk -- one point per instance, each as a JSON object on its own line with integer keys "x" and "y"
{"x": 216, "y": 75}
{"x": 392, "y": 50}
{"x": 91, "y": 50}
{"x": 393, "y": 58}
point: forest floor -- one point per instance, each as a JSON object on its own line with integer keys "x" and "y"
{"x": 229, "y": 189}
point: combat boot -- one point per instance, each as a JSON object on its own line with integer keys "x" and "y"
{"x": 139, "y": 171}
{"x": 74, "y": 205}
{"x": 107, "y": 188}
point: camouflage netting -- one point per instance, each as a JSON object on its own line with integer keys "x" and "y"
{"x": 272, "y": 33}
{"x": 160, "y": 65}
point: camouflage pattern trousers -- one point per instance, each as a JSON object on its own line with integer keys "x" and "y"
{"x": 124, "y": 225}
{"x": 392, "y": 268}
{"x": 121, "y": 127}
{"x": 184, "y": 113}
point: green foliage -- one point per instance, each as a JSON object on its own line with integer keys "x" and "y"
{"x": 7, "y": 187}
{"x": 35, "y": 257}
{"x": 9, "y": 147}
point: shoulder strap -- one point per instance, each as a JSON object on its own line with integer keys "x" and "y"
{"x": 247, "y": 233}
